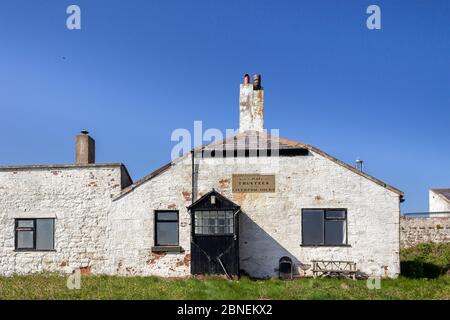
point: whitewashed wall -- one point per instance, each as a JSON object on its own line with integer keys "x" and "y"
{"x": 270, "y": 223}
{"x": 78, "y": 198}
{"x": 132, "y": 225}
{"x": 437, "y": 203}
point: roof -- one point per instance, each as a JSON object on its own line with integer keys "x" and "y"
{"x": 148, "y": 177}
{"x": 444, "y": 193}
{"x": 253, "y": 140}
{"x": 67, "y": 166}
{"x": 59, "y": 166}
{"x": 258, "y": 140}
{"x": 224, "y": 201}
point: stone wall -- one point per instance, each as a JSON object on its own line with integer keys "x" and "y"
{"x": 78, "y": 197}
{"x": 418, "y": 230}
{"x": 251, "y": 108}
{"x": 270, "y": 223}
{"x": 132, "y": 225}
{"x": 102, "y": 229}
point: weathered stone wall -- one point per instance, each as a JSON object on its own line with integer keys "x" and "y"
{"x": 77, "y": 197}
{"x": 132, "y": 225}
{"x": 251, "y": 108}
{"x": 104, "y": 236}
{"x": 418, "y": 230}
{"x": 270, "y": 224}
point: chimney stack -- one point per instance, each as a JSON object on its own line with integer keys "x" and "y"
{"x": 84, "y": 148}
{"x": 251, "y": 104}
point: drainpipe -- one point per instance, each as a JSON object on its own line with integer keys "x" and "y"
{"x": 193, "y": 175}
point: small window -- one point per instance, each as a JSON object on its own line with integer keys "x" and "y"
{"x": 166, "y": 228}
{"x": 34, "y": 234}
{"x": 324, "y": 227}
{"x": 312, "y": 227}
{"x": 214, "y": 222}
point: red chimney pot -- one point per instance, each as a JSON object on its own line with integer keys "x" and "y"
{"x": 246, "y": 79}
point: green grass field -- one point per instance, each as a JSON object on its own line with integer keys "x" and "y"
{"x": 103, "y": 287}
{"x": 424, "y": 269}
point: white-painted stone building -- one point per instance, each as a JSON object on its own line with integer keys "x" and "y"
{"x": 439, "y": 202}
{"x": 235, "y": 206}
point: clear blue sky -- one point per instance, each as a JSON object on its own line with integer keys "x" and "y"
{"x": 139, "y": 69}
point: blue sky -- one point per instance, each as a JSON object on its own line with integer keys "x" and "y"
{"x": 137, "y": 70}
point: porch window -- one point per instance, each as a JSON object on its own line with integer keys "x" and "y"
{"x": 324, "y": 227}
{"x": 166, "y": 228}
{"x": 34, "y": 234}
{"x": 214, "y": 222}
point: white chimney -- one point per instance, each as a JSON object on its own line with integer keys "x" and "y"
{"x": 251, "y": 104}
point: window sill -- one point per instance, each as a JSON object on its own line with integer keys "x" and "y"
{"x": 175, "y": 249}
{"x": 32, "y": 250}
{"x": 324, "y": 245}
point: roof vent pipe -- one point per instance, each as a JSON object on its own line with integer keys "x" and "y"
{"x": 359, "y": 164}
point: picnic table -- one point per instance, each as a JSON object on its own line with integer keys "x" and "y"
{"x": 329, "y": 268}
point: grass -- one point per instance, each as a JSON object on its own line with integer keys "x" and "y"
{"x": 427, "y": 260}
{"x": 425, "y": 269}
{"x": 52, "y": 286}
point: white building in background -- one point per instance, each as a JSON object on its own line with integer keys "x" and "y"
{"x": 234, "y": 206}
{"x": 439, "y": 202}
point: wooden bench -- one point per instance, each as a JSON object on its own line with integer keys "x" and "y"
{"x": 327, "y": 268}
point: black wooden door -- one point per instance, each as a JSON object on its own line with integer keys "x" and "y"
{"x": 215, "y": 255}
{"x": 214, "y": 236}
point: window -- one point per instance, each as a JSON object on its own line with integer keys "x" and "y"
{"x": 214, "y": 222}
{"x": 166, "y": 228}
{"x": 34, "y": 234}
{"x": 324, "y": 227}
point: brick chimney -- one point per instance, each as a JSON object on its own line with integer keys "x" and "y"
{"x": 84, "y": 148}
{"x": 251, "y": 104}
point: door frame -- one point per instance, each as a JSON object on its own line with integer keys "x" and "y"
{"x": 221, "y": 203}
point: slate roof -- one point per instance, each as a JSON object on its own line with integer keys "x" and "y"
{"x": 445, "y": 193}
{"x": 253, "y": 140}
{"x": 225, "y": 201}
{"x": 259, "y": 140}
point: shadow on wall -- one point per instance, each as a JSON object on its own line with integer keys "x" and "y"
{"x": 259, "y": 252}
